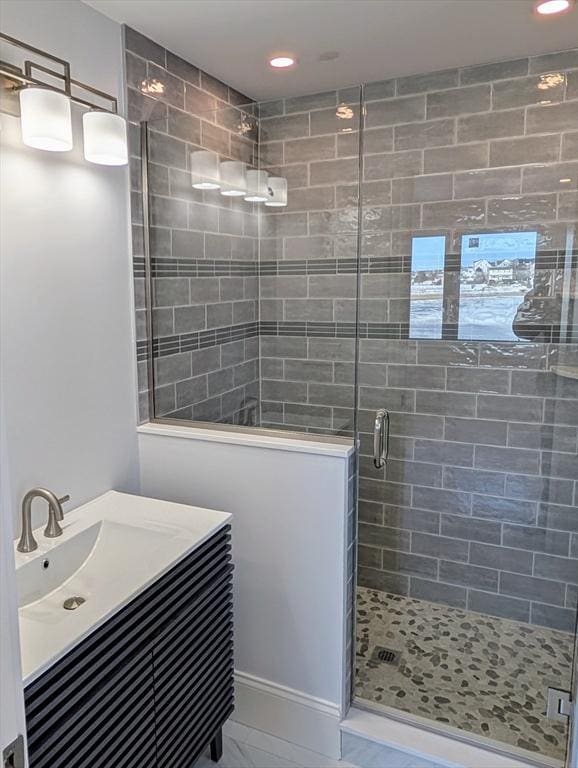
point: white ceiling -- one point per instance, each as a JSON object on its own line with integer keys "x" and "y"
{"x": 376, "y": 39}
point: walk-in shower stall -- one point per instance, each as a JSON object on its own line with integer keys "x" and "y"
{"x": 415, "y": 291}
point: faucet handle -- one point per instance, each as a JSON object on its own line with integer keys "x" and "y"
{"x": 64, "y": 499}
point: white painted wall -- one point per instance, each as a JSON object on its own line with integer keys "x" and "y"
{"x": 289, "y": 544}
{"x": 66, "y": 357}
{"x": 67, "y": 353}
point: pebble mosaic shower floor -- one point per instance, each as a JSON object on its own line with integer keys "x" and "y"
{"x": 482, "y": 674}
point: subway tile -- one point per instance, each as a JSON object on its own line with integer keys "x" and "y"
{"x": 474, "y": 480}
{"x": 342, "y": 350}
{"x": 507, "y": 459}
{"x": 375, "y": 140}
{"x": 560, "y": 464}
{"x": 501, "y": 181}
{"x": 476, "y": 431}
{"x": 332, "y": 286}
{"x": 311, "y": 101}
{"x": 558, "y": 411}
{"x": 189, "y": 319}
{"x": 552, "y": 117}
{"x": 399, "y": 400}
{"x": 547, "y": 489}
{"x": 535, "y": 539}
{"x": 410, "y": 519}
{"x": 443, "y": 452}
{"x": 542, "y": 436}
{"x": 467, "y": 380}
{"x": 439, "y": 547}
{"x": 284, "y": 127}
{"x": 486, "y": 73}
{"x": 431, "y": 81}
{"x": 316, "y": 247}
{"x": 436, "y": 592}
{"x": 328, "y": 222}
{"x": 498, "y": 605}
{"x": 381, "y": 536}
{"x": 144, "y": 47}
{"x": 568, "y": 206}
{"x": 558, "y": 516}
{"x": 414, "y": 376}
{"x": 199, "y": 103}
{"x": 563, "y": 619}
{"x": 527, "y": 90}
{"x": 203, "y": 217}
{"x": 512, "y": 355}
{"x": 182, "y": 69}
{"x": 311, "y": 199}
{"x": 332, "y": 121}
{"x": 191, "y": 391}
{"x": 569, "y": 146}
{"x": 469, "y": 575}
{"x": 205, "y": 360}
{"x": 308, "y": 370}
{"x": 456, "y": 213}
{"x": 372, "y": 512}
{"x": 220, "y": 381}
{"x": 458, "y": 158}
{"x": 471, "y": 529}
{"x": 384, "y": 286}
{"x": 378, "y": 490}
{"x": 331, "y": 394}
{"x": 285, "y": 286}
{"x": 170, "y": 291}
{"x": 459, "y": 101}
{"x": 416, "y": 425}
{"x": 548, "y": 178}
{"x": 369, "y": 557}
{"x": 173, "y": 89}
{"x": 531, "y": 588}
{"x": 382, "y": 581}
{"x": 173, "y": 368}
{"x": 420, "y": 189}
{"x": 219, "y": 314}
{"x": 387, "y": 351}
{"x": 413, "y": 472}
{"x": 409, "y": 564}
{"x": 382, "y": 89}
{"x": 524, "y": 150}
{"x": 490, "y": 125}
{"x": 204, "y": 290}
{"x": 501, "y": 558}
{"x": 447, "y": 353}
{"x": 557, "y": 568}
{"x": 392, "y": 165}
{"x": 552, "y": 61}
{"x": 305, "y": 415}
{"x": 521, "y": 208}
{"x": 215, "y": 138}
{"x": 393, "y": 111}
{"x": 303, "y": 150}
{"x": 432, "y": 133}
{"x": 334, "y": 171}
{"x": 186, "y": 244}
{"x": 498, "y": 508}
{"x": 445, "y": 403}
{"x": 438, "y": 500}
{"x": 284, "y": 391}
{"x": 510, "y": 408}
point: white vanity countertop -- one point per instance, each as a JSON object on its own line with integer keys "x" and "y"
{"x": 111, "y": 549}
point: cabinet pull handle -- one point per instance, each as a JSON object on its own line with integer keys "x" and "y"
{"x": 381, "y": 438}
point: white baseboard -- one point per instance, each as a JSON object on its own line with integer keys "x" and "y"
{"x": 287, "y": 714}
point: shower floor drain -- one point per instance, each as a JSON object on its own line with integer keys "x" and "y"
{"x": 385, "y": 656}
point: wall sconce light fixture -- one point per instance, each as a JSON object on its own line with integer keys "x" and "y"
{"x": 44, "y": 107}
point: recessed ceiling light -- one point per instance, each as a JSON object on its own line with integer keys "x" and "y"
{"x": 281, "y": 62}
{"x": 551, "y": 7}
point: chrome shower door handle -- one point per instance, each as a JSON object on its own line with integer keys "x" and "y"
{"x": 381, "y": 438}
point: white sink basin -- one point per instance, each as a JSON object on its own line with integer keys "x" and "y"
{"x": 110, "y": 550}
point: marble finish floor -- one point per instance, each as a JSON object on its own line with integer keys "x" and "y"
{"x": 247, "y": 748}
{"x": 481, "y": 674}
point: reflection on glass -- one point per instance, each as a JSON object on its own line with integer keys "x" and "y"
{"x": 427, "y": 287}
{"x": 497, "y": 272}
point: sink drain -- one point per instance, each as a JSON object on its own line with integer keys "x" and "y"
{"x": 72, "y": 603}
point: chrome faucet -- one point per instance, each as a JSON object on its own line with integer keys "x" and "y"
{"x": 27, "y": 541}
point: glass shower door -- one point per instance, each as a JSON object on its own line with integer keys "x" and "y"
{"x": 468, "y": 533}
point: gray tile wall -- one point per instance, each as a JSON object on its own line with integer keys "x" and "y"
{"x": 478, "y": 506}
{"x": 203, "y": 245}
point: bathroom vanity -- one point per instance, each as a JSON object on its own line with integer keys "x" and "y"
{"x": 137, "y": 669}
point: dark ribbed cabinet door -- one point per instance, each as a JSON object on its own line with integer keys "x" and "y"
{"x": 193, "y": 670}
{"x": 85, "y": 723}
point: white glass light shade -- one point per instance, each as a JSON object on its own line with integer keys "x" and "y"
{"x": 205, "y": 170}
{"x": 257, "y": 187}
{"x": 277, "y": 192}
{"x": 104, "y": 138}
{"x": 45, "y": 119}
{"x": 233, "y": 178}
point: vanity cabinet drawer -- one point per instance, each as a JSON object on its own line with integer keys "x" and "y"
{"x": 152, "y": 686}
